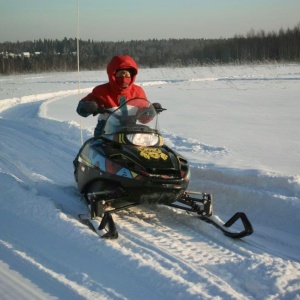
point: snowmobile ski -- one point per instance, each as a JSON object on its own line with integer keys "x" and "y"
{"x": 202, "y": 204}
{"x": 105, "y": 227}
{"x": 225, "y": 227}
{"x": 100, "y": 219}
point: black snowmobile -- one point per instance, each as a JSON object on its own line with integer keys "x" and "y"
{"x": 130, "y": 165}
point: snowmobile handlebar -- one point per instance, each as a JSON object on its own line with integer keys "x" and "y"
{"x": 158, "y": 107}
{"x": 102, "y": 110}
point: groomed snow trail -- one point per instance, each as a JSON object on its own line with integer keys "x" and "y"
{"x": 162, "y": 253}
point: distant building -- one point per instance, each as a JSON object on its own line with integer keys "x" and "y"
{"x": 25, "y": 54}
{"x": 6, "y": 54}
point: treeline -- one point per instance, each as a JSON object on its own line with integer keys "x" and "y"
{"x": 60, "y": 55}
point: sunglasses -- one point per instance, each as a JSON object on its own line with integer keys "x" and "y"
{"x": 122, "y": 73}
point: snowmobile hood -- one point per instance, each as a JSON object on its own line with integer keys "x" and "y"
{"x": 119, "y": 63}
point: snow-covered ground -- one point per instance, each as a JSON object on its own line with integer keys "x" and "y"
{"x": 239, "y": 128}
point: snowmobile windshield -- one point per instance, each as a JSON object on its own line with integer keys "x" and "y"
{"x": 136, "y": 116}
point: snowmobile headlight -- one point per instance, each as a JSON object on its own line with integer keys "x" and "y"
{"x": 143, "y": 139}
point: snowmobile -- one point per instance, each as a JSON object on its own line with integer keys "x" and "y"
{"x": 129, "y": 165}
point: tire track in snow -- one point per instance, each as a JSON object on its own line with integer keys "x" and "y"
{"x": 184, "y": 256}
{"x": 200, "y": 259}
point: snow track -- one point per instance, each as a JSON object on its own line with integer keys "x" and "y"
{"x": 201, "y": 258}
{"x": 161, "y": 253}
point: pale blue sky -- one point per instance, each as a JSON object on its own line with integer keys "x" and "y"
{"x": 117, "y": 20}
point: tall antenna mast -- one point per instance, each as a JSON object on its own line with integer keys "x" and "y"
{"x": 78, "y": 68}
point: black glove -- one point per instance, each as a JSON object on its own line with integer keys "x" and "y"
{"x": 158, "y": 107}
{"x": 87, "y": 108}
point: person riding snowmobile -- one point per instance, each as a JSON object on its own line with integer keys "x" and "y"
{"x": 122, "y": 71}
{"x": 126, "y": 163}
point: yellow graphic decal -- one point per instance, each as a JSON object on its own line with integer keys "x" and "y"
{"x": 121, "y": 139}
{"x": 133, "y": 174}
{"x": 161, "y": 141}
{"x": 152, "y": 153}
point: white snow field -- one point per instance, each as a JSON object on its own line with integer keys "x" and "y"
{"x": 239, "y": 127}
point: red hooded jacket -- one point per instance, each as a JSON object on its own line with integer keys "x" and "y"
{"x": 109, "y": 94}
